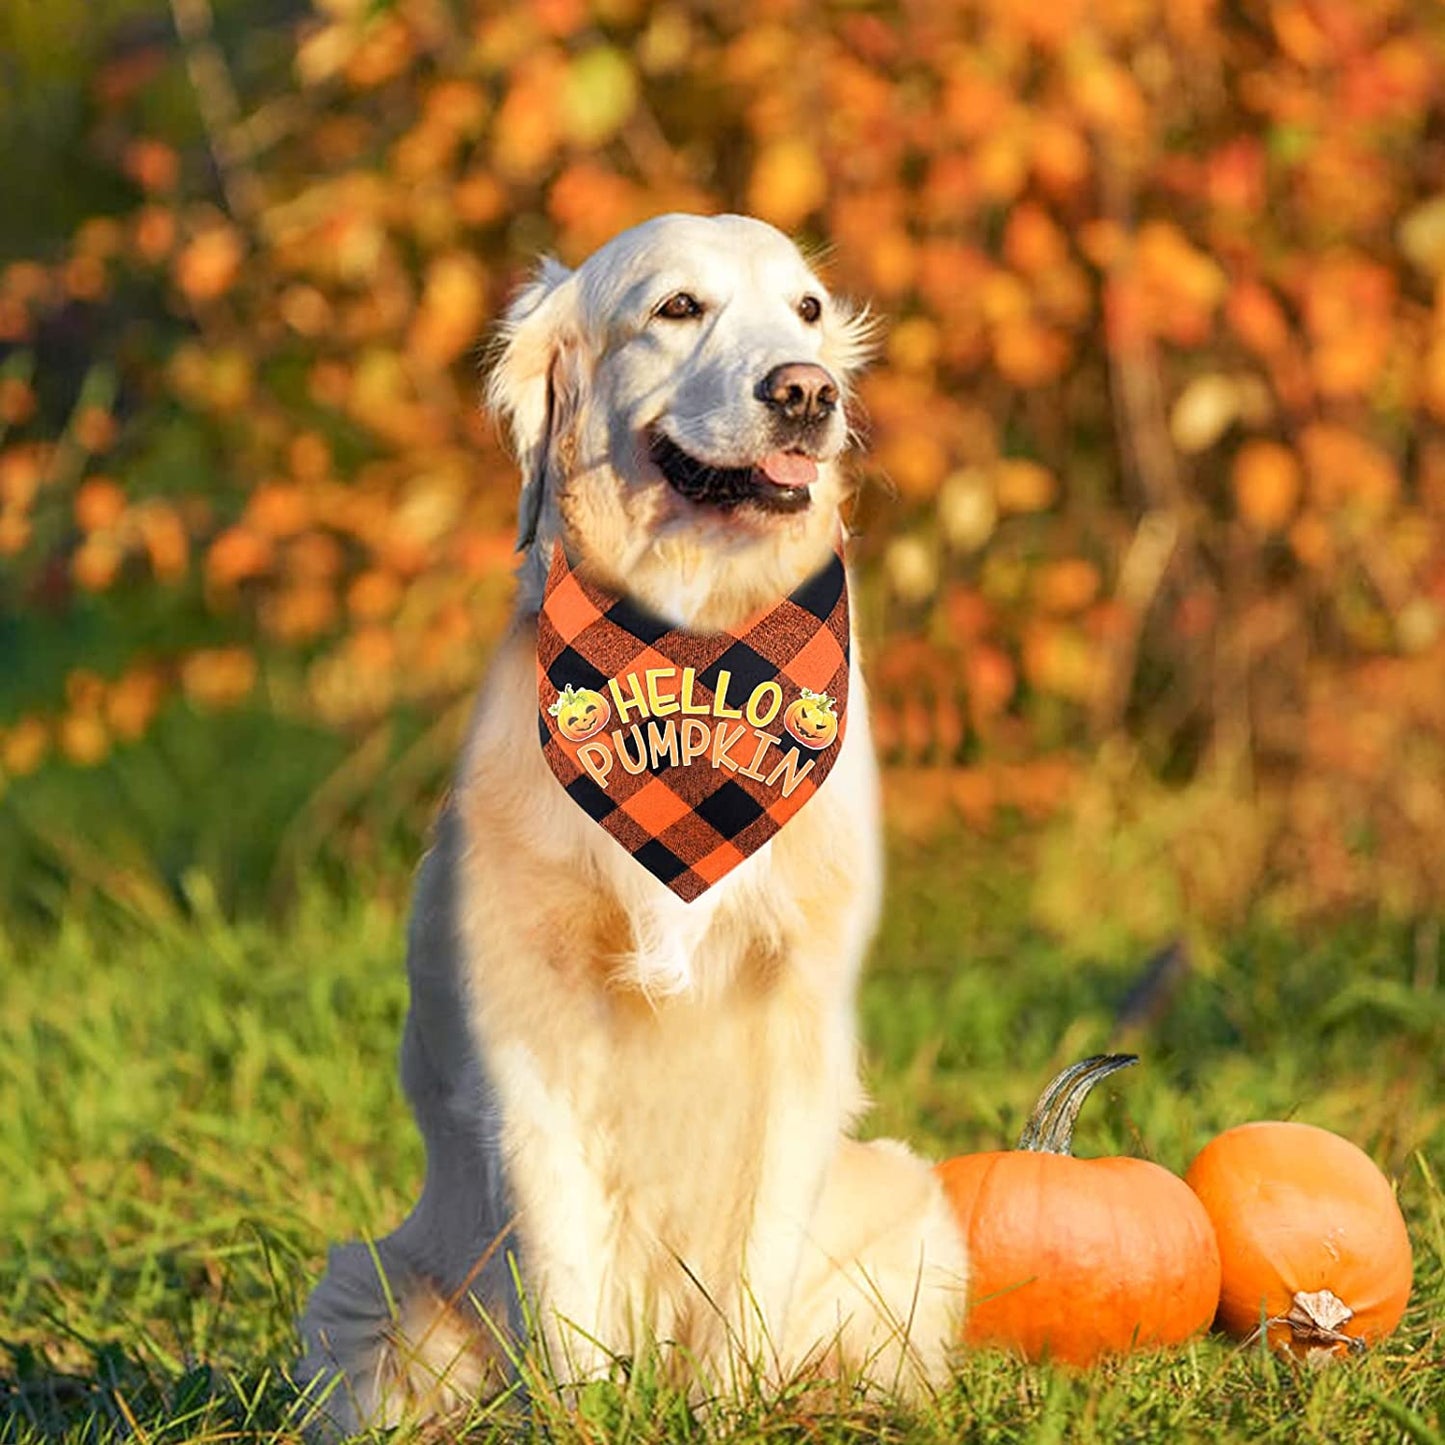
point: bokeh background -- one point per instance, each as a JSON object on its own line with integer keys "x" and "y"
{"x": 1152, "y": 514}
{"x": 1151, "y": 546}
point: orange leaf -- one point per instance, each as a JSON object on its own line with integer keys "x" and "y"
{"x": 218, "y": 677}
{"x": 95, "y": 563}
{"x": 453, "y": 305}
{"x": 83, "y": 738}
{"x": 237, "y": 554}
{"x": 23, "y": 747}
{"x": 132, "y": 701}
{"x": 991, "y": 680}
{"x": 788, "y": 183}
{"x": 1024, "y": 486}
{"x": 153, "y": 233}
{"x": 374, "y": 596}
{"x": 1058, "y": 658}
{"x": 1067, "y": 586}
{"x": 17, "y": 401}
{"x": 163, "y": 535}
{"x": 1345, "y": 468}
{"x": 95, "y": 429}
{"x": 1256, "y": 318}
{"x": 152, "y": 164}
{"x": 21, "y": 468}
{"x": 208, "y": 266}
{"x": 99, "y": 503}
{"x": 1267, "y": 484}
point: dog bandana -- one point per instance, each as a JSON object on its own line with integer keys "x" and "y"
{"x": 691, "y": 749}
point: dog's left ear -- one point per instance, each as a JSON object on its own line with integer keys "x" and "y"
{"x": 527, "y": 382}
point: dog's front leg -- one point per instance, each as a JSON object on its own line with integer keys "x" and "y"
{"x": 790, "y": 1181}
{"x": 813, "y": 1095}
{"x": 567, "y": 1225}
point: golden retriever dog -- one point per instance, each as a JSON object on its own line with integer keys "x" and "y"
{"x": 637, "y": 1108}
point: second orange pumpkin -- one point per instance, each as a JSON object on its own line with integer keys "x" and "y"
{"x": 1314, "y": 1247}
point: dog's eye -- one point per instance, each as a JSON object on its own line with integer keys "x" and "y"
{"x": 810, "y": 309}
{"x": 683, "y": 306}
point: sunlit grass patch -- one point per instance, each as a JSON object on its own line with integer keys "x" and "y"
{"x": 193, "y": 1108}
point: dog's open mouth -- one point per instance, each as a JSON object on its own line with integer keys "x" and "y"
{"x": 778, "y": 482}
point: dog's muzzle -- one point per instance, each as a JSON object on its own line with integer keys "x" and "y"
{"x": 801, "y": 399}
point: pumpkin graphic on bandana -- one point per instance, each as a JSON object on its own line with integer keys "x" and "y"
{"x": 581, "y": 713}
{"x": 812, "y": 719}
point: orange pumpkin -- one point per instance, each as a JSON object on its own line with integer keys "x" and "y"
{"x": 1312, "y": 1243}
{"x": 1075, "y": 1258}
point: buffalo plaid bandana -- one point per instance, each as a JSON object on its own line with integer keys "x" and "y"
{"x": 691, "y": 749}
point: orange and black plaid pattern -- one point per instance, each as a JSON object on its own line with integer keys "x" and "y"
{"x": 689, "y": 822}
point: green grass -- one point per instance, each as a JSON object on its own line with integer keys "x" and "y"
{"x": 190, "y": 1110}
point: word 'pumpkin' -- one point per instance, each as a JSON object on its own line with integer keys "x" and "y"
{"x": 1075, "y": 1258}
{"x": 1313, "y": 1245}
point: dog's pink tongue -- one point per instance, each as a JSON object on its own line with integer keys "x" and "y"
{"x": 789, "y": 469}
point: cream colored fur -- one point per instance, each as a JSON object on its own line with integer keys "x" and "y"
{"x": 638, "y": 1107}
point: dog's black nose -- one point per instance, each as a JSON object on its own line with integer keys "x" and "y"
{"x": 799, "y": 390}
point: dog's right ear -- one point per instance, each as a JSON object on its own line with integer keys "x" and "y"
{"x": 524, "y": 389}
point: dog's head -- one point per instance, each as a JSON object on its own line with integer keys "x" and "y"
{"x": 677, "y": 406}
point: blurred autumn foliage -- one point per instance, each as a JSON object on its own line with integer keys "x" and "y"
{"x": 1157, "y": 430}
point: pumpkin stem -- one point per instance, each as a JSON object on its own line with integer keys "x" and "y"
{"x": 1314, "y": 1321}
{"x": 1050, "y": 1129}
